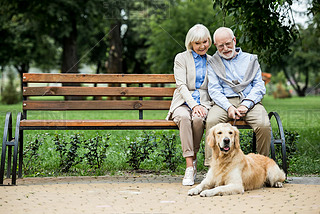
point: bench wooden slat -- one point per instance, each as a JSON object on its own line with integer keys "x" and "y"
{"x": 105, "y": 123}
{"x": 99, "y": 91}
{"x": 97, "y": 105}
{"x": 98, "y": 78}
{"x": 96, "y": 123}
{"x": 240, "y": 123}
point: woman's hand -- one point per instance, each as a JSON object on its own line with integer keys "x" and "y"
{"x": 199, "y": 110}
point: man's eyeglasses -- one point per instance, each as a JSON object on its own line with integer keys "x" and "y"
{"x": 228, "y": 44}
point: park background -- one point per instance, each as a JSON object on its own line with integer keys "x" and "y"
{"x": 124, "y": 36}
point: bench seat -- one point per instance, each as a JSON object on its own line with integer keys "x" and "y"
{"x": 101, "y": 124}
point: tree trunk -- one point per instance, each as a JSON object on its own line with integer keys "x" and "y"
{"x": 69, "y": 56}
{"x": 300, "y": 92}
{"x": 114, "y": 65}
{"x": 22, "y": 68}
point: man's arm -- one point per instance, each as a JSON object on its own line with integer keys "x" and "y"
{"x": 257, "y": 92}
{"x": 215, "y": 90}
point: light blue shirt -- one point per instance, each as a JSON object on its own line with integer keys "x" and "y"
{"x": 201, "y": 69}
{"x": 235, "y": 70}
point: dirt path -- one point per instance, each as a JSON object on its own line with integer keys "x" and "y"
{"x": 150, "y": 194}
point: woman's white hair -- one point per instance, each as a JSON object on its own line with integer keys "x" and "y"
{"x": 198, "y": 32}
{"x": 222, "y": 29}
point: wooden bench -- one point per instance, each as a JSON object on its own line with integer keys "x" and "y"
{"x": 134, "y": 92}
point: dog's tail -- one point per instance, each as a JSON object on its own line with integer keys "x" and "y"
{"x": 275, "y": 175}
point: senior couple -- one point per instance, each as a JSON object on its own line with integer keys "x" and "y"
{"x": 214, "y": 89}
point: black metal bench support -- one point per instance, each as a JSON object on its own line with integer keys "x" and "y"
{"x": 278, "y": 141}
{"x": 9, "y": 142}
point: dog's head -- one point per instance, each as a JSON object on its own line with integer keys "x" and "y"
{"x": 223, "y": 138}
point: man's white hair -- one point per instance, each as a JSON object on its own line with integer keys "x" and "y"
{"x": 220, "y": 30}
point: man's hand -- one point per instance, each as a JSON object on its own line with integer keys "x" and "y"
{"x": 233, "y": 113}
{"x": 237, "y": 113}
{"x": 243, "y": 110}
{"x": 199, "y": 110}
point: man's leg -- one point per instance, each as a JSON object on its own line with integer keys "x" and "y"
{"x": 258, "y": 119}
{"x": 215, "y": 115}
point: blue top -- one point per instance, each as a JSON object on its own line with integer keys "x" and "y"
{"x": 235, "y": 70}
{"x": 201, "y": 69}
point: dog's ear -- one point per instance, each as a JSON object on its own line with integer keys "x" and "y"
{"x": 210, "y": 137}
{"x": 236, "y": 138}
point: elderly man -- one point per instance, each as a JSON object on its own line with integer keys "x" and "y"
{"x": 236, "y": 87}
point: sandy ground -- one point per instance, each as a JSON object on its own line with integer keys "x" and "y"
{"x": 136, "y": 194}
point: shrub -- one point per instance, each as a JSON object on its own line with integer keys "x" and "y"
{"x": 31, "y": 154}
{"x": 96, "y": 149}
{"x": 170, "y": 152}
{"x": 68, "y": 151}
{"x": 291, "y": 139}
{"x": 140, "y": 150}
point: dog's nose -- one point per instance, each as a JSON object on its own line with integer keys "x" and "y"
{"x": 226, "y": 140}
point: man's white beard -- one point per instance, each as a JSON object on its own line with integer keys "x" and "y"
{"x": 230, "y": 56}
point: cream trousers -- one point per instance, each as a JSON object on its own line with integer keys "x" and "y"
{"x": 191, "y": 129}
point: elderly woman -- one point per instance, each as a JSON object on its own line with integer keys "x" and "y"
{"x": 191, "y": 102}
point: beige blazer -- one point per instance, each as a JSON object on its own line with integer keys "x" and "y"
{"x": 185, "y": 75}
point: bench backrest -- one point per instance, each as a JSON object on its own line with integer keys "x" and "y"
{"x": 132, "y": 91}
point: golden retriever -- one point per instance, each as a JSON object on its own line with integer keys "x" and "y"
{"x": 232, "y": 172}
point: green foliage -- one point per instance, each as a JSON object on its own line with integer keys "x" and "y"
{"x": 246, "y": 141}
{"x": 170, "y": 152}
{"x": 96, "y": 149}
{"x": 291, "y": 140}
{"x": 10, "y": 95}
{"x": 23, "y": 40}
{"x": 139, "y": 150}
{"x": 261, "y": 26}
{"x": 68, "y": 151}
{"x": 168, "y": 33}
{"x": 31, "y": 154}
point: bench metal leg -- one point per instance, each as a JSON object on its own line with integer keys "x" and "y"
{"x": 15, "y": 150}
{"x": 254, "y": 143}
{"x": 20, "y": 154}
{"x": 9, "y": 160}
{"x": 281, "y": 141}
{"x": 7, "y": 136}
{"x": 10, "y": 142}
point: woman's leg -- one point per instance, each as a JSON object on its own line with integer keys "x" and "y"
{"x": 198, "y": 126}
{"x": 182, "y": 117}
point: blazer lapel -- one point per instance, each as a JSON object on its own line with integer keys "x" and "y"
{"x": 191, "y": 71}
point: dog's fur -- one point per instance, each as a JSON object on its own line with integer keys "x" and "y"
{"x": 232, "y": 172}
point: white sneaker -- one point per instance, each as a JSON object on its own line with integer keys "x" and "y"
{"x": 189, "y": 176}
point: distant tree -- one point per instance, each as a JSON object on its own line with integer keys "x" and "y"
{"x": 22, "y": 42}
{"x": 263, "y": 27}
{"x": 138, "y": 32}
{"x": 301, "y": 65}
{"x": 168, "y": 31}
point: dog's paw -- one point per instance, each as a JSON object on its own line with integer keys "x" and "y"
{"x": 193, "y": 191}
{"x": 278, "y": 184}
{"x": 206, "y": 193}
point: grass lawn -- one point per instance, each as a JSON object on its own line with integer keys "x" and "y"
{"x": 297, "y": 114}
